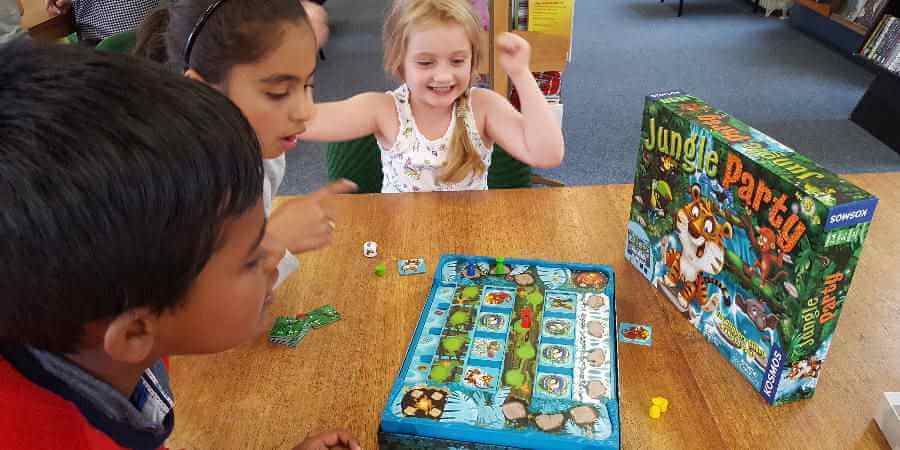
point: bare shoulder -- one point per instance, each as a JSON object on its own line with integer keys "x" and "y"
{"x": 485, "y": 99}
{"x": 489, "y": 106}
{"x": 487, "y": 103}
{"x": 388, "y": 123}
{"x": 376, "y": 100}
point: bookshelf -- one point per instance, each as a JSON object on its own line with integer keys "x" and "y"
{"x": 879, "y": 108}
{"x": 548, "y": 52}
{"x": 821, "y": 21}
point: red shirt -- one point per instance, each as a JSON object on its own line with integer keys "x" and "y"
{"x": 38, "y": 411}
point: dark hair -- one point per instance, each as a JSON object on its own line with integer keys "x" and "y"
{"x": 117, "y": 178}
{"x": 237, "y": 32}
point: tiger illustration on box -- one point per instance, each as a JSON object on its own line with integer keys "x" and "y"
{"x": 702, "y": 251}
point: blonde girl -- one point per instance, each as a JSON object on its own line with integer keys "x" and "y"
{"x": 435, "y": 132}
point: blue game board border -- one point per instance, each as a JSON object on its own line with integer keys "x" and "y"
{"x": 461, "y": 432}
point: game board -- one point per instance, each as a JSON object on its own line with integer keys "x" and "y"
{"x": 520, "y": 354}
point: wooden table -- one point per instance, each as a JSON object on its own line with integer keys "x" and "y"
{"x": 258, "y": 396}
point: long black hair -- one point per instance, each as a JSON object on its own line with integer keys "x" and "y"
{"x": 234, "y": 32}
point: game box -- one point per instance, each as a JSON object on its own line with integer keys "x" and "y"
{"x": 509, "y": 354}
{"x": 754, "y": 243}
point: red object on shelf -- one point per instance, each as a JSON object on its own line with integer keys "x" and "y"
{"x": 549, "y": 83}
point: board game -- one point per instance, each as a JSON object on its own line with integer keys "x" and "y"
{"x": 509, "y": 354}
{"x": 754, "y": 243}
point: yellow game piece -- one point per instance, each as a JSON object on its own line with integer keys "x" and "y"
{"x": 661, "y": 402}
{"x": 654, "y": 412}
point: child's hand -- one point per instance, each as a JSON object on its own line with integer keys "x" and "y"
{"x": 57, "y": 7}
{"x": 515, "y": 54}
{"x": 306, "y": 223}
{"x": 329, "y": 440}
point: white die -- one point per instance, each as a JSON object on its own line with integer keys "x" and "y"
{"x": 370, "y": 249}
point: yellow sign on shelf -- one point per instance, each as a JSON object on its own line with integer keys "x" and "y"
{"x": 551, "y": 16}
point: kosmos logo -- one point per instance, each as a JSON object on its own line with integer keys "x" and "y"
{"x": 770, "y": 384}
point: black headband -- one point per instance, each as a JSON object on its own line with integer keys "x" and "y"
{"x": 197, "y": 27}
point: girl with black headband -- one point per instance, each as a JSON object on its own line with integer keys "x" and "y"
{"x": 262, "y": 55}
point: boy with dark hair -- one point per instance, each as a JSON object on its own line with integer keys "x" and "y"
{"x": 131, "y": 228}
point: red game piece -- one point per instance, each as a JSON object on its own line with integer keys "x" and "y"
{"x": 526, "y": 318}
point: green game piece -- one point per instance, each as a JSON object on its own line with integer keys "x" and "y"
{"x": 535, "y": 298}
{"x": 500, "y": 268}
{"x": 380, "y": 270}
{"x": 288, "y": 331}
{"x": 326, "y": 309}
{"x": 286, "y": 327}
{"x": 323, "y": 315}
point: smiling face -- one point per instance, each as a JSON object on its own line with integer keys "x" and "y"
{"x": 226, "y": 304}
{"x": 702, "y": 237}
{"x": 275, "y": 93}
{"x": 437, "y": 65}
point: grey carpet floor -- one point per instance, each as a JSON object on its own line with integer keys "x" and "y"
{"x": 761, "y": 70}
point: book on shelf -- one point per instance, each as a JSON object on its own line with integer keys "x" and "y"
{"x": 549, "y": 82}
{"x": 883, "y": 45}
{"x": 518, "y": 15}
{"x": 863, "y": 12}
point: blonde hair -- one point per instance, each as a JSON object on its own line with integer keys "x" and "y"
{"x": 405, "y": 15}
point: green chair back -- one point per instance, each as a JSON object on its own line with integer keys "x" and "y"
{"x": 119, "y": 43}
{"x": 359, "y": 161}
{"x": 122, "y": 42}
{"x": 507, "y": 172}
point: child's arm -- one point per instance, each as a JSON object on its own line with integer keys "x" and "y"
{"x": 355, "y": 117}
{"x": 306, "y": 223}
{"x": 57, "y": 7}
{"x": 532, "y": 136}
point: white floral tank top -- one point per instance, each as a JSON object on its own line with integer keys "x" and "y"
{"x": 414, "y": 162}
